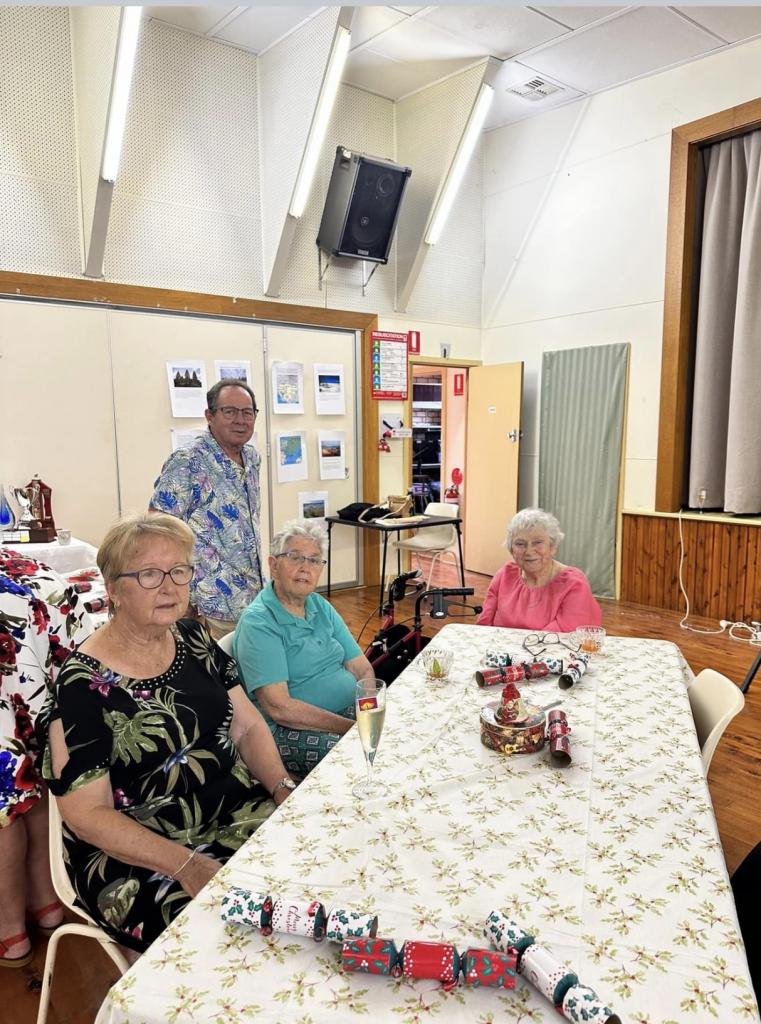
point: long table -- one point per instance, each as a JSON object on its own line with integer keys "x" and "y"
{"x": 613, "y": 862}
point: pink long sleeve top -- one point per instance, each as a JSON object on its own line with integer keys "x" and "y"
{"x": 562, "y": 605}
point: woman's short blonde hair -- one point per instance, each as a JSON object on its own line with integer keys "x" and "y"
{"x": 121, "y": 540}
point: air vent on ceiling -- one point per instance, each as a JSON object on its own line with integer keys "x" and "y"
{"x": 535, "y": 89}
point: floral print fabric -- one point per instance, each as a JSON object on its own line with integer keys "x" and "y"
{"x": 220, "y": 501}
{"x": 41, "y": 620}
{"x": 165, "y": 745}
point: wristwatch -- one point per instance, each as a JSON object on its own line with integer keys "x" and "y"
{"x": 285, "y": 783}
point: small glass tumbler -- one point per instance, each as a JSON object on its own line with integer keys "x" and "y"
{"x": 64, "y": 536}
{"x": 436, "y": 663}
{"x": 591, "y": 639}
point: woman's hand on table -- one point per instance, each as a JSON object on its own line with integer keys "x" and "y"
{"x": 196, "y": 873}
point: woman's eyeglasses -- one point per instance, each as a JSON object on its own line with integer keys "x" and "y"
{"x": 296, "y": 559}
{"x": 537, "y": 643}
{"x": 151, "y": 579}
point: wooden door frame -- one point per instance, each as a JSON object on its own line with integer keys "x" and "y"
{"x": 686, "y": 142}
{"x": 15, "y": 285}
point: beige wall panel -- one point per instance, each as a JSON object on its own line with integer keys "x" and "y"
{"x": 56, "y": 411}
{"x": 142, "y": 343}
{"x": 289, "y": 344}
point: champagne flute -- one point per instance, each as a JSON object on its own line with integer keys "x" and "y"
{"x": 371, "y": 713}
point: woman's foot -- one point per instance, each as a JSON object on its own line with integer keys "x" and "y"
{"x": 16, "y": 951}
{"x": 47, "y": 918}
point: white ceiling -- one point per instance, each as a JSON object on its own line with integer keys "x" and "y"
{"x": 580, "y": 50}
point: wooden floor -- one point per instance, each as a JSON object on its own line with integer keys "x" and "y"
{"x": 84, "y": 973}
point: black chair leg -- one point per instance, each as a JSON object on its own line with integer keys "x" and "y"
{"x": 746, "y": 886}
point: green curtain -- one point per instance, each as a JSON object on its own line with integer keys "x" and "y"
{"x": 581, "y": 426}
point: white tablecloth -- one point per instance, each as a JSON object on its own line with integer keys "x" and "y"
{"x": 64, "y": 558}
{"x": 614, "y": 862}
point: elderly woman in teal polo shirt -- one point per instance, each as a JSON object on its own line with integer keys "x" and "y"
{"x": 299, "y": 662}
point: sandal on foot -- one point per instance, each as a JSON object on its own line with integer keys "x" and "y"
{"x": 15, "y": 961}
{"x": 36, "y": 917}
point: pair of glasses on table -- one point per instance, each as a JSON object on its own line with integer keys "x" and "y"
{"x": 537, "y": 643}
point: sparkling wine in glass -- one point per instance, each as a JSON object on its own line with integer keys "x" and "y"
{"x": 371, "y": 714}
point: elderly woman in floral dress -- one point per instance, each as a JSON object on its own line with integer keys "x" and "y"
{"x": 160, "y": 764}
{"x": 41, "y": 619}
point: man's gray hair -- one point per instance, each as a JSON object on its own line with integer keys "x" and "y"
{"x": 530, "y": 519}
{"x": 212, "y": 395}
{"x": 299, "y": 528}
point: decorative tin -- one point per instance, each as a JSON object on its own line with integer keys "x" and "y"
{"x": 545, "y": 973}
{"x": 241, "y": 906}
{"x": 506, "y": 934}
{"x": 582, "y": 1005}
{"x": 344, "y": 924}
{"x": 524, "y": 737}
{"x": 489, "y": 968}
{"x": 299, "y": 917}
{"x": 437, "y": 960}
{"x": 370, "y": 956}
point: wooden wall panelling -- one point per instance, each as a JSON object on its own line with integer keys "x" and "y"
{"x": 722, "y": 566}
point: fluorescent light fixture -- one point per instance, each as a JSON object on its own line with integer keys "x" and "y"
{"x": 126, "y": 48}
{"x": 460, "y": 163}
{"x": 338, "y": 54}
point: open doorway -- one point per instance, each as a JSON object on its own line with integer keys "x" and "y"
{"x": 438, "y": 418}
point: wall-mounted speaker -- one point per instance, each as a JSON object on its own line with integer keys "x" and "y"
{"x": 362, "y": 206}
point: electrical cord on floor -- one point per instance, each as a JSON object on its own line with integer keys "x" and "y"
{"x": 725, "y": 625}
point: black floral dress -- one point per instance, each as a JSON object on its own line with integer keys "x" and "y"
{"x": 165, "y": 745}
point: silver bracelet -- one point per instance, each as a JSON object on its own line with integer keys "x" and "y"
{"x": 184, "y": 864}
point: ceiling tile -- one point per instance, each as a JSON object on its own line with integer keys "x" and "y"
{"x": 417, "y": 39}
{"x": 639, "y": 42}
{"x": 369, "y": 22}
{"x": 507, "y": 107}
{"x": 731, "y": 23}
{"x": 259, "y": 27}
{"x": 499, "y": 31}
{"x": 577, "y": 17}
{"x": 194, "y": 19}
{"x": 393, "y": 79}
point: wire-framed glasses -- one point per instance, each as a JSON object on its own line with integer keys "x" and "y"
{"x": 151, "y": 579}
{"x": 295, "y": 558}
{"x": 537, "y": 643}
{"x": 229, "y": 412}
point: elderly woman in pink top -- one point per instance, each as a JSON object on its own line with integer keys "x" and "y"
{"x": 535, "y": 591}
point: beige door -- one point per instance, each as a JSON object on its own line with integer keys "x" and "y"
{"x": 491, "y": 463}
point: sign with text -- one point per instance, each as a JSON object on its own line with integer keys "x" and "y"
{"x": 459, "y": 384}
{"x": 389, "y": 366}
{"x": 413, "y": 342}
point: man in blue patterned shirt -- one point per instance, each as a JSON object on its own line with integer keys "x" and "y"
{"x": 214, "y": 487}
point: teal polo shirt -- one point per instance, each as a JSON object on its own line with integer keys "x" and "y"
{"x": 271, "y": 645}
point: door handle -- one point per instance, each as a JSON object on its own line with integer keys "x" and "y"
{"x": 515, "y": 436}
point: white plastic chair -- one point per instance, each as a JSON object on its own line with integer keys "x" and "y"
{"x": 436, "y": 541}
{"x": 226, "y": 643}
{"x": 65, "y": 894}
{"x": 715, "y": 700}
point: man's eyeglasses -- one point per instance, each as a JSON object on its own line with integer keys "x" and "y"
{"x": 231, "y": 412}
{"x": 151, "y": 579}
{"x": 296, "y": 559}
{"x": 537, "y": 643}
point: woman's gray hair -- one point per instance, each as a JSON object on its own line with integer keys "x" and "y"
{"x": 299, "y": 528}
{"x": 531, "y": 519}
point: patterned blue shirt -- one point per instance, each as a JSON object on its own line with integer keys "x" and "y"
{"x": 220, "y": 501}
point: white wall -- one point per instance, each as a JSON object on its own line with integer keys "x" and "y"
{"x": 575, "y": 211}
